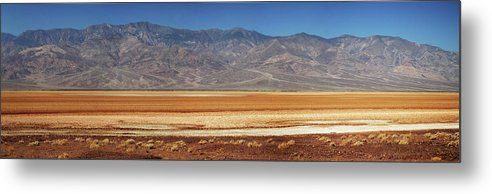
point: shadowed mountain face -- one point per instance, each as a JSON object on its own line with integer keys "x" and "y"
{"x": 147, "y": 56}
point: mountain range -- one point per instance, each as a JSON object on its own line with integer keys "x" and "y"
{"x": 145, "y": 56}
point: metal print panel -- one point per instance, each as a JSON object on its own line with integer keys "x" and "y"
{"x": 288, "y": 81}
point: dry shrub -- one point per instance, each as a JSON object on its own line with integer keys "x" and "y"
{"x": 203, "y": 142}
{"x": 178, "y": 145}
{"x": 406, "y": 135}
{"x": 456, "y": 135}
{"x": 358, "y": 143}
{"x": 269, "y": 140}
{"x": 129, "y": 142}
{"x": 254, "y": 144}
{"x": 332, "y": 144}
{"x": 34, "y": 143}
{"x": 431, "y": 136}
{"x": 79, "y": 139}
{"x": 236, "y": 142}
{"x": 297, "y": 156}
{"x": 348, "y": 140}
{"x": 88, "y": 139}
{"x": 105, "y": 141}
{"x": 286, "y": 145}
{"x": 59, "y": 142}
{"x": 63, "y": 156}
{"x": 382, "y": 136}
{"x": 149, "y": 145}
{"x": 47, "y": 141}
{"x": 403, "y": 141}
{"x": 94, "y": 145}
{"x": 372, "y": 136}
{"x": 454, "y": 143}
{"x": 324, "y": 139}
{"x": 150, "y": 141}
{"x": 21, "y": 141}
{"x": 436, "y": 158}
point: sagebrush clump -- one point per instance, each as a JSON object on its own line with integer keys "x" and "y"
{"x": 286, "y": 145}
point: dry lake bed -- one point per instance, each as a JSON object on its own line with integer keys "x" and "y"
{"x": 306, "y": 126}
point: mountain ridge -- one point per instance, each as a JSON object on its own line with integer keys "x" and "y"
{"x": 143, "y": 55}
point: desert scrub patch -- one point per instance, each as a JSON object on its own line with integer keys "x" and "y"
{"x": 59, "y": 142}
{"x": 79, "y": 139}
{"x": 177, "y": 146}
{"x": 453, "y": 143}
{"x": 286, "y": 145}
{"x": 442, "y": 135}
{"x": 358, "y": 143}
{"x": 254, "y": 144}
{"x": 129, "y": 142}
{"x": 34, "y": 143}
{"x": 94, "y": 145}
{"x": 63, "y": 156}
{"x": 235, "y": 142}
{"x": 347, "y": 141}
{"x": 105, "y": 141}
{"x": 403, "y": 141}
{"x": 202, "y": 142}
{"x": 324, "y": 139}
{"x": 297, "y": 156}
{"x": 149, "y": 145}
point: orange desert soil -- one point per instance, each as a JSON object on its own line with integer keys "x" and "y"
{"x": 306, "y": 126}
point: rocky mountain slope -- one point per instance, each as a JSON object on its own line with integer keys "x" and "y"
{"x": 146, "y": 56}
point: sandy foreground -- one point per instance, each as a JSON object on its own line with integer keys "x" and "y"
{"x": 306, "y": 126}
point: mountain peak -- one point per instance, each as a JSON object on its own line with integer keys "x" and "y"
{"x": 238, "y": 29}
{"x": 7, "y": 36}
{"x": 302, "y": 34}
{"x": 348, "y": 36}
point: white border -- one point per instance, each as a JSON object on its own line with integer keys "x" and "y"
{"x": 473, "y": 175}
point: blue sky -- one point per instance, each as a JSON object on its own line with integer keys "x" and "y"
{"x": 435, "y": 23}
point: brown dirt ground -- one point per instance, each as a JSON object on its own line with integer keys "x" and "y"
{"x": 421, "y": 146}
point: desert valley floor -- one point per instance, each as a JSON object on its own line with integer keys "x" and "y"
{"x": 306, "y": 126}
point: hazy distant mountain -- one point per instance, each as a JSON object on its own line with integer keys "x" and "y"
{"x": 148, "y": 56}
